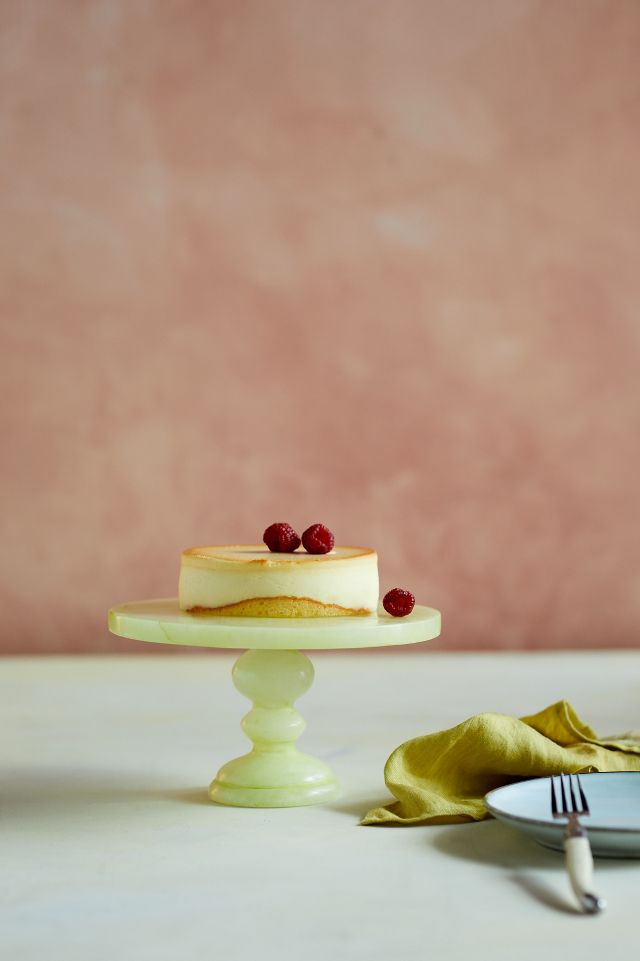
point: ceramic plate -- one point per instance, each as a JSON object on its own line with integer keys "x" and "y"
{"x": 614, "y": 801}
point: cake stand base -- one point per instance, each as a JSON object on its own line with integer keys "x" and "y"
{"x": 274, "y": 773}
{"x": 308, "y": 782}
{"x": 272, "y": 673}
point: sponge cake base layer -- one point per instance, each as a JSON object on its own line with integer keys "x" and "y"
{"x": 280, "y": 607}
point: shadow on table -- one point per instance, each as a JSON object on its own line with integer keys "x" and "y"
{"x": 489, "y": 842}
{"x": 356, "y": 807}
{"x": 485, "y": 842}
{"x": 28, "y": 792}
{"x": 25, "y": 793}
{"x": 493, "y": 843}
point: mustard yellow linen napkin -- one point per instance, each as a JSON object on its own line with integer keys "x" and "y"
{"x": 442, "y": 778}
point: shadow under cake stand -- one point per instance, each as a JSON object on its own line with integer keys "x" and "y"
{"x": 272, "y": 673}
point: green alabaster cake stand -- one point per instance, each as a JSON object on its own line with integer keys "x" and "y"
{"x": 272, "y": 673}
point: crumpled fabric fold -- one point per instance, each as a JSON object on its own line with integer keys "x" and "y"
{"x": 442, "y": 778}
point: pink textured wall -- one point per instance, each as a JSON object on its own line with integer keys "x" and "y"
{"x": 366, "y": 263}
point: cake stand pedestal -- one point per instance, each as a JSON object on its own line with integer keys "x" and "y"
{"x": 272, "y": 673}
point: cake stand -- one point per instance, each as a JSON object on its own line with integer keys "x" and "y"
{"x": 272, "y": 673}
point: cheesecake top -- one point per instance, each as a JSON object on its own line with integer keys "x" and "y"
{"x": 257, "y": 555}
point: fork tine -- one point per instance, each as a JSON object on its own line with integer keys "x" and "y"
{"x": 554, "y": 803}
{"x": 565, "y": 807}
{"x": 573, "y": 796}
{"x": 583, "y": 799}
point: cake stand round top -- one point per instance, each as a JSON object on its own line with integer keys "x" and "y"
{"x": 162, "y": 622}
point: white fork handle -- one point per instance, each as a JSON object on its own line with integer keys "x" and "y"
{"x": 580, "y": 871}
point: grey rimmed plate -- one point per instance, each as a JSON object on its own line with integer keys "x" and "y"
{"x": 613, "y": 825}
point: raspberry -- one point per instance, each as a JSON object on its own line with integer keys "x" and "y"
{"x": 398, "y": 602}
{"x": 281, "y": 538}
{"x": 318, "y": 539}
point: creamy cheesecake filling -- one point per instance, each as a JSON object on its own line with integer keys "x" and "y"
{"x": 218, "y": 577}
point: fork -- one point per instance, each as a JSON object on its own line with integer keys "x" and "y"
{"x": 579, "y": 858}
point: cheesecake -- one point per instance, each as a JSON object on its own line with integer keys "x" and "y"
{"x": 252, "y": 581}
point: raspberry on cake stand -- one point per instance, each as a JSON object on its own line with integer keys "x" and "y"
{"x": 273, "y": 673}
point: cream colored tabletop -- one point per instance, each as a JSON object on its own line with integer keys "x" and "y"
{"x": 111, "y": 850}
